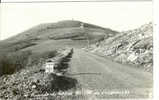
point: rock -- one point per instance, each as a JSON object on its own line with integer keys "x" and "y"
{"x": 131, "y": 47}
{"x": 33, "y": 86}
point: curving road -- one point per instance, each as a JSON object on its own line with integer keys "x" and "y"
{"x": 96, "y": 73}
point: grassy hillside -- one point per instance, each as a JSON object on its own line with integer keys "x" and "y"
{"x": 60, "y": 34}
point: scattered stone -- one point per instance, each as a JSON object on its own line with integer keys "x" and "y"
{"x": 131, "y": 47}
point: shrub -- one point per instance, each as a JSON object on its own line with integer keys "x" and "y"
{"x": 49, "y": 54}
{"x": 6, "y": 65}
{"x": 14, "y": 61}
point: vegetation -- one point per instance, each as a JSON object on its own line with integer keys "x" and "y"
{"x": 14, "y": 61}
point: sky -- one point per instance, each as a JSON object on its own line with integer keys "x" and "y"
{"x": 121, "y": 16}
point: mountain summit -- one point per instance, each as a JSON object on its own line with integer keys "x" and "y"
{"x": 60, "y": 34}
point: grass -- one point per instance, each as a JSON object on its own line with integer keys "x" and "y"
{"x": 16, "y": 46}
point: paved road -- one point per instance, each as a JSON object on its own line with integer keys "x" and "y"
{"x": 103, "y": 74}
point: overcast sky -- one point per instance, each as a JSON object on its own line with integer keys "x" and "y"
{"x": 120, "y": 16}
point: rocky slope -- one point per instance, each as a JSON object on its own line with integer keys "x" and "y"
{"x": 130, "y": 47}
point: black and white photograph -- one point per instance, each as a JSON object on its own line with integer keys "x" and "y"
{"x": 76, "y": 51}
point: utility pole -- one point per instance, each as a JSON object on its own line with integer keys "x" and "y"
{"x": 86, "y": 34}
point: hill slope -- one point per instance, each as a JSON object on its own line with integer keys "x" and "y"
{"x": 54, "y": 35}
{"x": 130, "y": 47}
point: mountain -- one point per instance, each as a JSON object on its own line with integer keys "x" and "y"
{"x": 130, "y": 47}
{"x": 49, "y": 36}
{"x": 25, "y": 61}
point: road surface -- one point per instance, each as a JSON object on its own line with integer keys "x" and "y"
{"x": 96, "y": 73}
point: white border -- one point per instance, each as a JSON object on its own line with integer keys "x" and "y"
{"x": 156, "y": 48}
{"x": 43, "y": 1}
{"x": 155, "y": 38}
